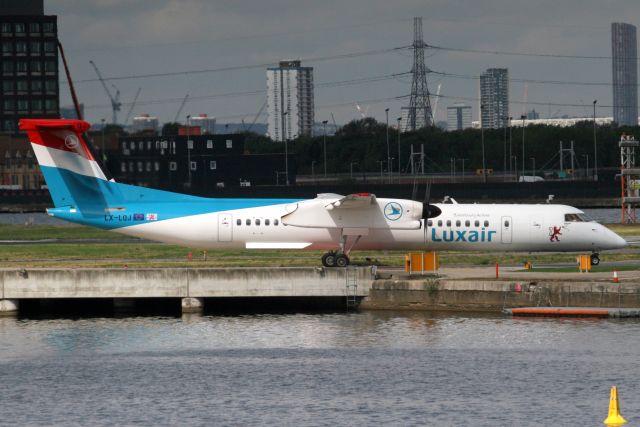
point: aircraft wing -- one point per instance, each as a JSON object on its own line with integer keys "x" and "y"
{"x": 359, "y": 212}
{"x": 353, "y": 201}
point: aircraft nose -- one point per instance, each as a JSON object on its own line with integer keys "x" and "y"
{"x": 614, "y": 241}
{"x": 621, "y": 243}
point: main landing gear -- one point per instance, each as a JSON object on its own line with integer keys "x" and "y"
{"x": 595, "y": 259}
{"x": 335, "y": 259}
{"x": 339, "y": 258}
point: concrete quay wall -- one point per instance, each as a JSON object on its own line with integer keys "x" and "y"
{"x": 181, "y": 283}
{"x": 495, "y": 295}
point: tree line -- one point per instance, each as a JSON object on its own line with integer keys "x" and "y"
{"x": 364, "y": 143}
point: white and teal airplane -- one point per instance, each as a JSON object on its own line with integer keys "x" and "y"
{"x": 338, "y": 224}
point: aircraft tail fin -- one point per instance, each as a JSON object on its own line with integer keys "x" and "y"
{"x": 73, "y": 175}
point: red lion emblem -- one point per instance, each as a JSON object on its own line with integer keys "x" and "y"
{"x": 554, "y": 232}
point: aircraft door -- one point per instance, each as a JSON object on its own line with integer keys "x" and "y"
{"x": 225, "y": 227}
{"x": 537, "y": 236}
{"x": 507, "y": 226}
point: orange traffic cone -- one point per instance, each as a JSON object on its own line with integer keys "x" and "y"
{"x": 615, "y": 277}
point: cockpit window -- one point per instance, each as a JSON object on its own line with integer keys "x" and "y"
{"x": 574, "y": 217}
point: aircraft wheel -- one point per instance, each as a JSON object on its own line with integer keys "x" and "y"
{"x": 329, "y": 259}
{"x": 595, "y": 259}
{"x": 342, "y": 260}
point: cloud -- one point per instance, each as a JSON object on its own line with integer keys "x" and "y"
{"x": 140, "y": 36}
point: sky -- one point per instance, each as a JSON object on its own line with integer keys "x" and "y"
{"x": 217, "y": 52}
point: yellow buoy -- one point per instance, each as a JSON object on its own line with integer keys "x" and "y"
{"x": 614, "y": 419}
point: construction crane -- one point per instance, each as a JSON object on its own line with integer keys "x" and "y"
{"x": 115, "y": 101}
{"x": 184, "y": 101}
{"x": 435, "y": 106}
{"x": 255, "y": 119}
{"x": 133, "y": 104}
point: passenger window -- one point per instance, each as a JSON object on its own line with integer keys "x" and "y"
{"x": 248, "y": 222}
{"x": 276, "y": 222}
{"x": 238, "y": 221}
{"x": 448, "y": 223}
{"x": 506, "y": 223}
{"x": 266, "y": 222}
{"x": 477, "y": 223}
{"x": 430, "y": 223}
{"x": 439, "y": 223}
{"x": 486, "y": 223}
{"x": 458, "y": 223}
{"x": 467, "y": 223}
{"x": 258, "y": 221}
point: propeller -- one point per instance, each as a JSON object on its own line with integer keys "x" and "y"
{"x": 428, "y": 210}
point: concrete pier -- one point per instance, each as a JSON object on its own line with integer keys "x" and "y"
{"x": 192, "y": 305}
{"x": 190, "y": 285}
{"x": 460, "y": 289}
{"x": 8, "y": 307}
{"x": 481, "y": 293}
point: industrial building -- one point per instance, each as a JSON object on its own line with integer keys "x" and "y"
{"x": 29, "y": 63}
{"x": 206, "y": 124}
{"x": 624, "y": 60}
{"x": 194, "y": 164}
{"x": 290, "y": 104}
{"x": 18, "y": 167}
{"x": 494, "y": 98}
{"x": 145, "y": 122}
{"x": 458, "y": 117}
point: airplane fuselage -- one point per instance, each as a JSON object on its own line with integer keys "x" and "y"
{"x": 474, "y": 227}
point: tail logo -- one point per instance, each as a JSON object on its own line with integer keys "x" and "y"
{"x": 393, "y": 211}
{"x": 71, "y": 141}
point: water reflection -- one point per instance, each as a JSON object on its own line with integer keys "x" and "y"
{"x": 316, "y": 369}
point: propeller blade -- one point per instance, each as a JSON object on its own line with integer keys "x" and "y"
{"x": 426, "y": 210}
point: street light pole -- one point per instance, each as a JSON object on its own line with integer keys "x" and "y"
{"x": 510, "y": 147}
{"x": 388, "y": 152}
{"x": 381, "y": 163}
{"x": 504, "y": 149}
{"x": 188, "y": 149}
{"x": 286, "y": 149}
{"x": 462, "y": 160}
{"x": 484, "y": 165}
{"x": 324, "y": 144}
{"x": 313, "y": 173}
{"x": 586, "y": 172}
{"x": 595, "y": 145}
{"x": 533, "y": 166}
{"x": 523, "y": 117}
{"x": 452, "y": 164}
{"x": 399, "y": 162}
{"x": 104, "y": 158}
{"x": 351, "y": 168}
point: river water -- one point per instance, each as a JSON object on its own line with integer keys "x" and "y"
{"x": 370, "y": 368}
